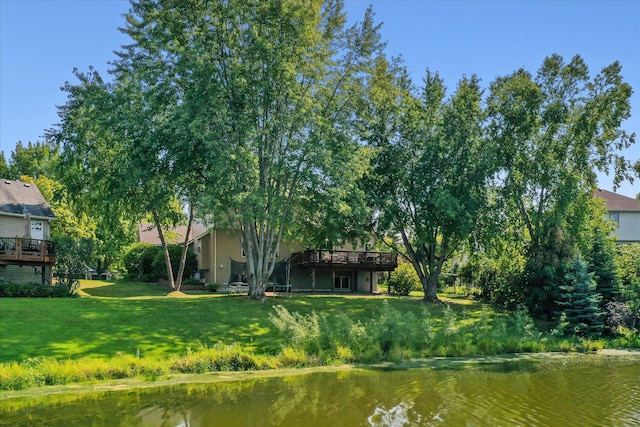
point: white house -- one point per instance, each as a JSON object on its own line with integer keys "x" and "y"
{"x": 625, "y": 211}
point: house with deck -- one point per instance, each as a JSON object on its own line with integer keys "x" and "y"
{"x": 344, "y": 269}
{"x": 625, "y": 212}
{"x": 27, "y": 254}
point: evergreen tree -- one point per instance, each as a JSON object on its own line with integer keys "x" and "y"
{"x": 579, "y": 302}
{"x": 4, "y": 168}
{"x": 603, "y": 266}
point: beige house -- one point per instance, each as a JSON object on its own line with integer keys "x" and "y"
{"x": 221, "y": 260}
{"x": 26, "y": 253}
{"x": 345, "y": 269}
{"x": 625, "y": 211}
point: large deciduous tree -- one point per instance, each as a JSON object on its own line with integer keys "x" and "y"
{"x": 429, "y": 176}
{"x": 113, "y": 153}
{"x": 33, "y": 159}
{"x": 552, "y": 133}
{"x": 243, "y": 108}
{"x": 273, "y": 83}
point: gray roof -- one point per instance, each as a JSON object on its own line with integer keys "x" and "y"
{"x": 18, "y": 198}
{"x": 617, "y": 202}
{"x": 147, "y": 233}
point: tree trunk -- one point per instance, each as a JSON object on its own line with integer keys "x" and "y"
{"x": 430, "y": 287}
{"x": 185, "y": 249}
{"x": 165, "y": 250}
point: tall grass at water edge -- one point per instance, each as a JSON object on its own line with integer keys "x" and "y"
{"x": 311, "y": 338}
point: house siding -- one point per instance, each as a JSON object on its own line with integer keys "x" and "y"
{"x": 216, "y": 249}
{"x": 23, "y": 273}
{"x": 12, "y": 226}
{"x": 628, "y": 227}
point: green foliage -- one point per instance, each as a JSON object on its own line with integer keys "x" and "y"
{"x": 340, "y": 330}
{"x": 212, "y": 287}
{"x": 602, "y": 263}
{"x": 404, "y": 280}
{"x": 300, "y": 331}
{"x": 71, "y": 256}
{"x": 146, "y": 262}
{"x": 627, "y": 257}
{"x": 33, "y": 160}
{"x": 4, "y": 167}
{"x": 498, "y": 277}
{"x": 175, "y": 252}
{"x": 579, "y": 302}
{"x": 551, "y": 137}
{"x": 39, "y": 372}
{"x": 34, "y": 290}
{"x": 428, "y": 178}
{"x": 219, "y": 357}
{"x": 138, "y": 260}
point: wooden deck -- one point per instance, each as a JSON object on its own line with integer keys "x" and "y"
{"x": 25, "y": 251}
{"x": 357, "y": 260}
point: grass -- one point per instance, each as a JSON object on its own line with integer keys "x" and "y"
{"x": 129, "y": 329}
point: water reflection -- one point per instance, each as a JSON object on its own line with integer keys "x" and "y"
{"x": 552, "y": 393}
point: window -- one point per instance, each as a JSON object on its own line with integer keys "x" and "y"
{"x": 342, "y": 282}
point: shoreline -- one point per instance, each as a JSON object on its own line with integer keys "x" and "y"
{"x": 440, "y": 363}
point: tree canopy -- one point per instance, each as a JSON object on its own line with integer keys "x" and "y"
{"x": 430, "y": 173}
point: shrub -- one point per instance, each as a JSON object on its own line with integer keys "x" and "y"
{"x": 138, "y": 260}
{"x": 35, "y": 290}
{"x": 212, "y": 287}
{"x": 498, "y": 279}
{"x": 404, "y": 280}
{"x": 627, "y": 257}
{"x": 298, "y": 330}
{"x": 71, "y": 255}
{"x": 617, "y": 315}
{"x": 191, "y": 282}
{"x": 175, "y": 253}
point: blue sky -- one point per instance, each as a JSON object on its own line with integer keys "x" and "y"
{"x": 42, "y": 41}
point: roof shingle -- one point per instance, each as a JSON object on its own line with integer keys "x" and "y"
{"x": 616, "y": 202}
{"x": 18, "y": 198}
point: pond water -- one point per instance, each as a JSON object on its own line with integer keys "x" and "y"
{"x": 577, "y": 391}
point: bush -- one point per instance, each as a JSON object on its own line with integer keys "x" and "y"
{"x": 146, "y": 262}
{"x": 404, "y": 280}
{"x": 627, "y": 257}
{"x": 212, "y": 287}
{"x": 498, "y": 279}
{"x": 175, "y": 253}
{"x": 617, "y": 315}
{"x": 138, "y": 260}
{"x": 34, "y": 290}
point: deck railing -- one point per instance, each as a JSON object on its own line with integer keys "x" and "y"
{"x": 23, "y": 250}
{"x": 383, "y": 261}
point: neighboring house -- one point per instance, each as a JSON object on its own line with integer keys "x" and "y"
{"x": 26, "y": 253}
{"x": 90, "y": 273}
{"x": 221, "y": 259}
{"x": 625, "y": 211}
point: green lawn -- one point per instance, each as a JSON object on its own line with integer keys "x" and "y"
{"x": 111, "y": 318}
{"x": 119, "y": 330}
